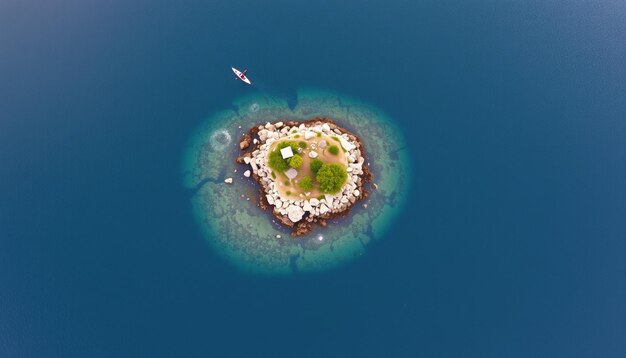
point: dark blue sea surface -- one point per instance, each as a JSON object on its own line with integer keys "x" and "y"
{"x": 512, "y": 244}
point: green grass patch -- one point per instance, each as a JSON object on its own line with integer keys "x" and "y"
{"x": 333, "y": 149}
{"x": 335, "y": 138}
{"x": 287, "y": 183}
{"x": 288, "y": 192}
{"x": 273, "y": 175}
{"x": 302, "y": 144}
{"x": 319, "y": 135}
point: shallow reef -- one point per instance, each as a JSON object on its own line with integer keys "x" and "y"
{"x": 250, "y": 238}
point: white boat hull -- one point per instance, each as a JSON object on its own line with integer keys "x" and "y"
{"x": 241, "y": 76}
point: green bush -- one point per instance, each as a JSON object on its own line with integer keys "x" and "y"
{"x": 286, "y": 182}
{"x": 295, "y": 161}
{"x": 302, "y": 144}
{"x": 331, "y": 178}
{"x": 277, "y": 162}
{"x": 273, "y": 175}
{"x": 306, "y": 183}
{"x": 316, "y": 164}
{"x": 288, "y": 143}
{"x": 333, "y": 149}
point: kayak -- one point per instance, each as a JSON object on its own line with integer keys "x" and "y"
{"x": 241, "y": 76}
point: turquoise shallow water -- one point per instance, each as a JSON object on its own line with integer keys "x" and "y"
{"x": 245, "y": 235}
{"x": 510, "y": 243}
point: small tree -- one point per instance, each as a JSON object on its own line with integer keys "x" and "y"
{"x": 277, "y": 162}
{"x": 295, "y": 161}
{"x": 316, "y": 164}
{"x": 306, "y": 183}
{"x": 331, "y": 178}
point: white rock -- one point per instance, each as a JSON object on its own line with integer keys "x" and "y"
{"x": 278, "y": 204}
{"x": 228, "y": 180}
{"x": 308, "y": 135}
{"x": 314, "y": 202}
{"x": 312, "y": 154}
{"x": 278, "y": 124}
{"x": 322, "y": 144}
{"x": 344, "y": 200}
{"x": 278, "y": 236}
{"x": 346, "y": 145}
{"x": 325, "y": 128}
{"x": 255, "y": 141}
{"x": 286, "y": 152}
{"x": 246, "y": 160}
{"x": 246, "y": 174}
{"x": 317, "y": 129}
{"x": 307, "y": 206}
{"x": 324, "y": 209}
{"x": 356, "y": 193}
{"x": 270, "y": 199}
{"x": 295, "y": 213}
{"x": 329, "y": 200}
{"x": 291, "y": 173}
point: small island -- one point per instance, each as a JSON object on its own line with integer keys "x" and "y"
{"x": 308, "y": 171}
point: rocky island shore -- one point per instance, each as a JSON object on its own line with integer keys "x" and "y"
{"x": 308, "y": 171}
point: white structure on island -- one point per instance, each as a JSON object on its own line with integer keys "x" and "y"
{"x": 286, "y": 152}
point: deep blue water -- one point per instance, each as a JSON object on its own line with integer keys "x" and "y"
{"x": 513, "y": 244}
